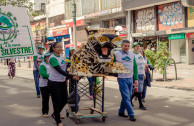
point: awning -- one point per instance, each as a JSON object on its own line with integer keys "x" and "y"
{"x": 50, "y": 38}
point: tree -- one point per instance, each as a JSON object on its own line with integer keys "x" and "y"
{"x": 158, "y": 58}
{"x": 21, "y": 3}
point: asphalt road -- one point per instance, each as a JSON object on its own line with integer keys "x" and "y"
{"x": 166, "y": 107}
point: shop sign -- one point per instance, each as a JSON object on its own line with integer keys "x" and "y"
{"x": 176, "y": 36}
{"x": 145, "y": 20}
{"x": 78, "y": 23}
{"x": 92, "y": 15}
{"x": 60, "y": 32}
{"x": 121, "y": 31}
{"x": 170, "y": 16}
{"x": 190, "y": 13}
{"x": 189, "y": 35}
{"x": 16, "y": 37}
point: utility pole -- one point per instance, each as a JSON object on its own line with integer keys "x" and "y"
{"x": 74, "y": 24}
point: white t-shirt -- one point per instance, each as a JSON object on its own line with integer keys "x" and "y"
{"x": 44, "y": 82}
{"x": 140, "y": 63}
{"x": 127, "y": 60}
{"x": 55, "y": 61}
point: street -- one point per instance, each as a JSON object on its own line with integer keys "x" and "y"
{"x": 165, "y": 107}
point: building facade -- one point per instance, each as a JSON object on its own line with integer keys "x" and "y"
{"x": 162, "y": 20}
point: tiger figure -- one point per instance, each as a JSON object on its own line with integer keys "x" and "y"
{"x": 96, "y": 56}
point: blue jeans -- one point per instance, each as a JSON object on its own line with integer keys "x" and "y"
{"x": 125, "y": 86}
{"x": 144, "y": 92}
{"x": 36, "y": 80}
{"x": 91, "y": 81}
{"x": 140, "y": 82}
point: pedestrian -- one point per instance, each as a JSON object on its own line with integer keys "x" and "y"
{"x": 11, "y": 67}
{"x": 37, "y": 61}
{"x": 147, "y": 80}
{"x": 141, "y": 75}
{"x": 57, "y": 81}
{"x": 126, "y": 80}
{"x": 43, "y": 84}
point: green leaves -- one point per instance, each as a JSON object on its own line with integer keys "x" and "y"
{"x": 158, "y": 58}
{"x": 21, "y": 3}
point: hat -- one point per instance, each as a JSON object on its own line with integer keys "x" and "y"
{"x": 72, "y": 48}
{"x": 136, "y": 43}
{"x": 41, "y": 47}
{"x": 47, "y": 54}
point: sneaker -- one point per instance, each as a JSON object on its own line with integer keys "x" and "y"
{"x": 38, "y": 96}
{"x": 132, "y": 118}
{"x": 123, "y": 115}
{"x": 142, "y": 107}
{"x": 45, "y": 115}
{"x": 91, "y": 97}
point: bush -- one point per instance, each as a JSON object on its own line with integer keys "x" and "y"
{"x": 157, "y": 59}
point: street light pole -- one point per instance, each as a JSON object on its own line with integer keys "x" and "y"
{"x": 74, "y": 24}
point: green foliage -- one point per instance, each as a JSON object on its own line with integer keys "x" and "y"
{"x": 158, "y": 58}
{"x": 21, "y": 3}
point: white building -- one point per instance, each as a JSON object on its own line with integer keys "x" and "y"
{"x": 39, "y": 5}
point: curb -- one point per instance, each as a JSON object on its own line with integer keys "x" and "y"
{"x": 170, "y": 87}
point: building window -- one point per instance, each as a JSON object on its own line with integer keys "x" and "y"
{"x": 43, "y": 7}
{"x": 56, "y": 20}
{"x": 89, "y": 6}
{"x": 107, "y": 4}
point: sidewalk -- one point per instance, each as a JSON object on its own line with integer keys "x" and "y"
{"x": 185, "y": 75}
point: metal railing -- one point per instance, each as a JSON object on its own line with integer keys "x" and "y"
{"x": 165, "y": 66}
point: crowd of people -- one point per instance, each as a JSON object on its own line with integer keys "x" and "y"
{"x": 50, "y": 76}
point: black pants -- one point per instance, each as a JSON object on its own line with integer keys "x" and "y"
{"x": 45, "y": 99}
{"x": 59, "y": 97}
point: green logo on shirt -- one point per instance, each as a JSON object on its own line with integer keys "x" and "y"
{"x": 63, "y": 62}
{"x": 126, "y": 58}
{"x": 140, "y": 57}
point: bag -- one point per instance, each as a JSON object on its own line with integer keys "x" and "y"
{"x": 151, "y": 78}
{"x": 97, "y": 80}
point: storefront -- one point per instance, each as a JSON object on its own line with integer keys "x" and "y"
{"x": 190, "y": 46}
{"x": 144, "y": 28}
{"x": 39, "y": 31}
{"x": 178, "y": 47}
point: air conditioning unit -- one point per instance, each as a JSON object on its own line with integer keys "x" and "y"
{"x": 187, "y": 3}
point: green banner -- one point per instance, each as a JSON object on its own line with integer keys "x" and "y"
{"x": 176, "y": 36}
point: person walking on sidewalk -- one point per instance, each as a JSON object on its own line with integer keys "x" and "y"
{"x": 11, "y": 67}
{"x": 147, "y": 81}
{"x": 126, "y": 80}
{"x": 57, "y": 81}
{"x": 141, "y": 75}
{"x": 43, "y": 84}
{"x": 37, "y": 61}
